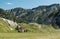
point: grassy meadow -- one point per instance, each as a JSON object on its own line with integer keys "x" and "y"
{"x": 30, "y": 35}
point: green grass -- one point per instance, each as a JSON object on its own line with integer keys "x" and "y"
{"x": 4, "y": 27}
{"x": 29, "y": 36}
{"x": 35, "y": 28}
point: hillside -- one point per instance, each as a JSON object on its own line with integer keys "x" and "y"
{"x": 35, "y": 27}
{"x": 10, "y": 26}
{"x": 6, "y": 27}
{"x": 41, "y": 14}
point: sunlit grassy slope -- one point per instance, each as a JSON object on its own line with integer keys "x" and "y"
{"x": 4, "y": 26}
{"x": 34, "y": 27}
{"x": 31, "y": 27}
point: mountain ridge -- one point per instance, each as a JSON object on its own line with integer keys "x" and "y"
{"x": 40, "y": 14}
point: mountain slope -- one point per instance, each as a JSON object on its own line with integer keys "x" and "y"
{"x": 5, "y": 26}
{"x": 31, "y": 27}
{"x": 41, "y": 14}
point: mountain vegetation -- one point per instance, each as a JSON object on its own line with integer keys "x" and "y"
{"x": 47, "y": 15}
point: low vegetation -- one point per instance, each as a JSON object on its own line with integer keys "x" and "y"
{"x": 5, "y": 27}
{"x": 30, "y": 27}
{"x": 30, "y": 35}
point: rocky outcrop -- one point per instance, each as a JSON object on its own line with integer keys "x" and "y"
{"x": 11, "y": 23}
